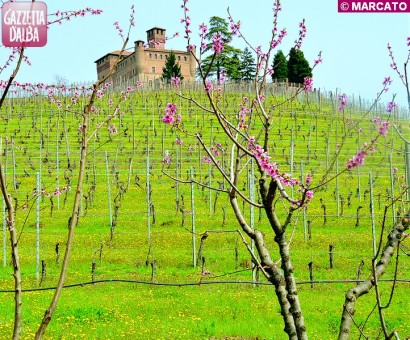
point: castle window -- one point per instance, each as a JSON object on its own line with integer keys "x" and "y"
{"x": 179, "y": 57}
{"x": 160, "y": 56}
{"x": 153, "y": 69}
{"x": 150, "y": 55}
{"x": 185, "y": 58}
{"x": 156, "y": 56}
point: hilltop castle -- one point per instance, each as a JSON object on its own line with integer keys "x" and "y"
{"x": 146, "y": 62}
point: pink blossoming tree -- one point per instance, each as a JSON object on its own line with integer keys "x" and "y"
{"x": 281, "y": 195}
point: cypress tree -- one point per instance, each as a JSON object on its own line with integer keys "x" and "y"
{"x": 298, "y": 67}
{"x": 280, "y": 67}
{"x": 171, "y": 68}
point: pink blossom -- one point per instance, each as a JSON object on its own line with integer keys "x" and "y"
{"x": 358, "y": 159}
{"x": 276, "y": 42}
{"x": 170, "y": 112}
{"x": 308, "y": 179}
{"x": 112, "y": 129}
{"x": 391, "y": 106}
{"x": 204, "y": 30}
{"x": 308, "y": 83}
{"x": 208, "y": 87}
{"x": 206, "y": 159}
{"x": 382, "y": 126}
{"x": 386, "y": 82}
{"x": 302, "y": 34}
{"x": 175, "y": 81}
{"x": 217, "y": 43}
{"x": 343, "y": 100}
{"x": 179, "y": 141}
{"x": 267, "y": 165}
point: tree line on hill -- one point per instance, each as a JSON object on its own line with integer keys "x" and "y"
{"x": 240, "y": 65}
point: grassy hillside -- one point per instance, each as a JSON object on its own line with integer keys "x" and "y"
{"x": 38, "y": 138}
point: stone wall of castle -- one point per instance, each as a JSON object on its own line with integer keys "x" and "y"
{"x": 146, "y": 63}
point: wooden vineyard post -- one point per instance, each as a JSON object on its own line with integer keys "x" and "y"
{"x": 3, "y": 210}
{"x": 4, "y": 233}
{"x": 148, "y": 190}
{"x": 393, "y": 207}
{"x": 407, "y": 159}
{"x": 193, "y": 218}
{"x": 177, "y": 180}
{"x": 13, "y": 160}
{"x": 251, "y": 181}
{"x": 67, "y": 146}
{"x": 327, "y": 154}
{"x": 310, "y": 265}
{"x": 331, "y": 247}
{"x": 337, "y": 188}
{"x": 291, "y": 153}
{"x": 58, "y": 162}
{"x": 108, "y": 189}
{"x": 210, "y": 174}
{"x": 304, "y": 208}
{"x": 38, "y": 200}
{"x": 372, "y": 214}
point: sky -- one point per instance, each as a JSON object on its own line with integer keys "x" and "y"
{"x": 353, "y": 45}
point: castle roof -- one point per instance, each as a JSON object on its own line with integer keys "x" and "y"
{"x": 156, "y": 28}
{"x": 115, "y": 53}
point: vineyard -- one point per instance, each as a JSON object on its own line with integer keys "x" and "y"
{"x": 149, "y": 215}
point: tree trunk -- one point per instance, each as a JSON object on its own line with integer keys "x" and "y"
{"x": 11, "y": 225}
{"x": 291, "y": 288}
{"x": 353, "y": 294}
{"x": 274, "y": 274}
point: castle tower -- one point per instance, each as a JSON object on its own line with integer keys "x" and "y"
{"x": 192, "y": 62}
{"x": 139, "y": 58}
{"x": 156, "y": 38}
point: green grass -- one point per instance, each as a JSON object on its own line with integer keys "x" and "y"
{"x": 116, "y": 310}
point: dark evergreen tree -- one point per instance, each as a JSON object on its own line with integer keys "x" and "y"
{"x": 298, "y": 66}
{"x": 233, "y": 68}
{"x": 280, "y": 67}
{"x": 171, "y": 68}
{"x": 221, "y": 62}
{"x": 248, "y": 65}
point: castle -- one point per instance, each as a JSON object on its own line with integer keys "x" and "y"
{"x": 146, "y": 62}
